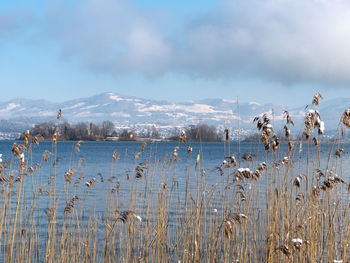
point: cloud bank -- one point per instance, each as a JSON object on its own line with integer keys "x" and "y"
{"x": 287, "y": 41}
{"x": 14, "y": 22}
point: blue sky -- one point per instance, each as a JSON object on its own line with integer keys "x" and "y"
{"x": 273, "y": 51}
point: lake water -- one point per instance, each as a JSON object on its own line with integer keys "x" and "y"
{"x": 96, "y": 162}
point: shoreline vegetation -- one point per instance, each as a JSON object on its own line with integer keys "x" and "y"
{"x": 106, "y": 132}
{"x": 301, "y": 214}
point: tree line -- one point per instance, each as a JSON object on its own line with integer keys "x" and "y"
{"x": 78, "y": 131}
{"x": 196, "y": 133}
{"x": 94, "y": 132}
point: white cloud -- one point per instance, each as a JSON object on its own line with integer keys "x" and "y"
{"x": 13, "y": 22}
{"x": 111, "y": 36}
{"x": 288, "y": 41}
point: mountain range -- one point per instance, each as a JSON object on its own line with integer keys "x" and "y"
{"x": 126, "y": 111}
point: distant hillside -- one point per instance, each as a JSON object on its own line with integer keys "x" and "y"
{"x": 124, "y": 111}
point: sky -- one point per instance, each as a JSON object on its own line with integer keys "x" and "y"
{"x": 271, "y": 51}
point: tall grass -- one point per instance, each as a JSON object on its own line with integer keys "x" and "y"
{"x": 300, "y": 215}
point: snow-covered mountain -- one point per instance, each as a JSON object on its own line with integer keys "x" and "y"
{"x": 126, "y": 111}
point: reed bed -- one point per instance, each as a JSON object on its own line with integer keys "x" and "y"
{"x": 300, "y": 215}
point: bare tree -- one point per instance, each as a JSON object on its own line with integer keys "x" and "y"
{"x": 107, "y": 128}
{"x": 94, "y": 129}
{"x": 201, "y": 132}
